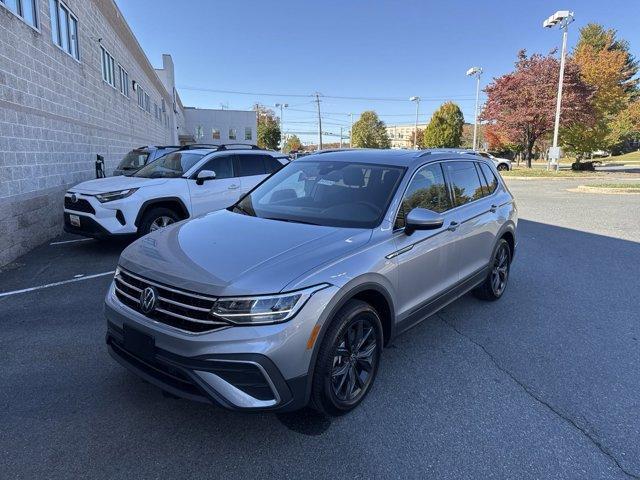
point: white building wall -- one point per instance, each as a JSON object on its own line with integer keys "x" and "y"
{"x": 56, "y": 114}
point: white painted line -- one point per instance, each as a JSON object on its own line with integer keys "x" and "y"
{"x": 63, "y": 282}
{"x": 71, "y": 241}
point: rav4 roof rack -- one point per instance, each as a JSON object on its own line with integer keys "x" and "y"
{"x": 225, "y": 146}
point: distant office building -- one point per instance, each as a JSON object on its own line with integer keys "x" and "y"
{"x": 203, "y": 125}
{"x": 75, "y": 83}
{"x": 401, "y": 135}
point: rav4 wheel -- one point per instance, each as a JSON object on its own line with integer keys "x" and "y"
{"x": 496, "y": 282}
{"x": 157, "y": 218}
{"x": 502, "y": 167}
{"x": 348, "y": 359}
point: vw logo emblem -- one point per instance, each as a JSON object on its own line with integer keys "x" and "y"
{"x": 148, "y": 299}
{"x": 74, "y": 198}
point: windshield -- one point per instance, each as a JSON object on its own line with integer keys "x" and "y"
{"x": 133, "y": 160}
{"x": 337, "y": 194}
{"x": 172, "y": 165}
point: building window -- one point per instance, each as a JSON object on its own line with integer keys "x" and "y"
{"x": 124, "y": 81}
{"x": 108, "y": 67}
{"x": 215, "y": 133}
{"x": 141, "y": 94}
{"x": 147, "y": 103}
{"x": 64, "y": 28}
{"x": 25, "y": 9}
{"x": 232, "y": 134}
{"x": 248, "y": 134}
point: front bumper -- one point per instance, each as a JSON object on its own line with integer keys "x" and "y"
{"x": 239, "y": 368}
{"x": 98, "y": 220}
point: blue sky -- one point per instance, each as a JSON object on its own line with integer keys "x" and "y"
{"x": 376, "y": 49}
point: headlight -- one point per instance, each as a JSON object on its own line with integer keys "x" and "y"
{"x": 117, "y": 195}
{"x": 265, "y": 309}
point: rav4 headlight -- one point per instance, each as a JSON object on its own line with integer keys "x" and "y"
{"x": 117, "y": 195}
{"x": 263, "y": 309}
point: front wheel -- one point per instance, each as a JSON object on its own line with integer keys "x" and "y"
{"x": 496, "y": 282}
{"x": 157, "y": 218}
{"x": 502, "y": 167}
{"x": 348, "y": 359}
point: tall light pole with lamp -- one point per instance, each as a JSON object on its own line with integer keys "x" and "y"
{"x": 476, "y": 72}
{"x": 562, "y": 18}
{"x": 415, "y": 132}
{"x": 281, "y": 106}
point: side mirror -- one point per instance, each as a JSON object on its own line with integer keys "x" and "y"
{"x": 422, "y": 219}
{"x": 204, "y": 175}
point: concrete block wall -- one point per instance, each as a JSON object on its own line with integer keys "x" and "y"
{"x": 56, "y": 114}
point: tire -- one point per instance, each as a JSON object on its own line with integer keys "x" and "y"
{"x": 356, "y": 369}
{"x": 492, "y": 288}
{"x": 156, "y": 218}
{"x": 502, "y": 167}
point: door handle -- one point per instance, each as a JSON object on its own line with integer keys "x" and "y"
{"x": 233, "y": 186}
{"x": 453, "y": 226}
{"x": 493, "y": 208}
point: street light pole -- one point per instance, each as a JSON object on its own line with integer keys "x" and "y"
{"x": 476, "y": 72}
{"x": 562, "y": 18}
{"x": 415, "y": 131}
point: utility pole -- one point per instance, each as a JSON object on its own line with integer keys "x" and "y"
{"x": 281, "y": 105}
{"x": 562, "y": 18}
{"x": 340, "y": 137}
{"x": 415, "y": 131}
{"x": 351, "y": 131}
{"x": 319, "y": 121}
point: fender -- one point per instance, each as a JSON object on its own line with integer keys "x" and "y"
{"x": 337, "y": 303}
{"x": 149, "y": 203}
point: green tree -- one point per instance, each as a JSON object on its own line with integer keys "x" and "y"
{"x": 293, "y": 144}
{"x": 607, "y": 66}
{"x": 445, "y": 128}
{"x": 268, "y": 128}
{"x": 370, "y": 132}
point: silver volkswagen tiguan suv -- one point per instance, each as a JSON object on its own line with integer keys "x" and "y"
{"x": 288, "y": 297}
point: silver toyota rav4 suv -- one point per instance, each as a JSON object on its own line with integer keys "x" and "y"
{"x": 288, "y": 297}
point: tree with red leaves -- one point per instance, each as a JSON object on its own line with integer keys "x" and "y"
{"x": 521, "y": 105}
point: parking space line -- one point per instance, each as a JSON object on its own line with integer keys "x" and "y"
{"x": 55, "y": 284}
{"x": 71, "y": 241}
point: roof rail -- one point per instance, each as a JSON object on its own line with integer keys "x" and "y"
{"x": 223, "y": 146}
{"x": 434, "y": 151}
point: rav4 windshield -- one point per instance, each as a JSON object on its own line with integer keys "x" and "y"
{"x": 172, "y": 165}
{"x": 339, "y": 194}
{"x": 133, "y": 160}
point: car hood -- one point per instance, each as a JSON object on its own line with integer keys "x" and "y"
{"x": 224, "y": 253}
{"x": 110, "y": 184}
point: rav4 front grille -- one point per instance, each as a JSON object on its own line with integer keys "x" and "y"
{"x": 80, "y": 205}
{"x": 175, "y": 307}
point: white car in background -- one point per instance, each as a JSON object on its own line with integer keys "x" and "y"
{"x": 186, "y": 183}
{"x": 500, "y": 163}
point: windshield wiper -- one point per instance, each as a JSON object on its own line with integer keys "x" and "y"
{"x": 290, "y": 220}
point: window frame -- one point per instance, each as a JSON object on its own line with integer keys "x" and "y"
{"x": 72, "y": 20}
{"x": 147, "y": 102}
{"x": 107, "y": 58}
{"x": 404, "y": 192}
{"x": 215, "y": 130}
{"x": 248, "y": 130}
{"x": 140, "y": 96}
{"x": 235, "y": 133}
{"x": 124, "y": 85}
{"x": 230, "y": 156}
{"x": 20, "y": 13}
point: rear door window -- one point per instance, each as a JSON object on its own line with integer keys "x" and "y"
{"x": 464, "y": 181}
{"x": 249, "y": 165}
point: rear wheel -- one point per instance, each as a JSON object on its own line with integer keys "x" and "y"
{"x": 502, "y": 167}
{"x": 348, "y": 359}
{"x": 157, "y": 218}
{"x": 496, "y": 282}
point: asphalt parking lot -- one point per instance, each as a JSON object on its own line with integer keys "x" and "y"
{"x": 542, "y": 384}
